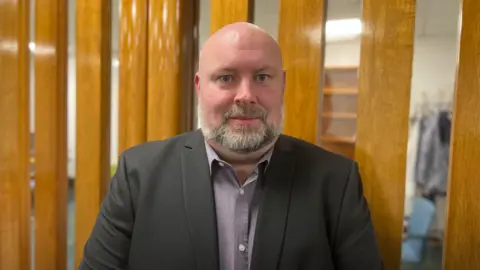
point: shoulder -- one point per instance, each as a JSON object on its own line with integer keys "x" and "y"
{"x": 150, "y": 152}
{"x": 306, "y": 151}
{"x": 319, "y": 164}
{"x": 323, "y": 171}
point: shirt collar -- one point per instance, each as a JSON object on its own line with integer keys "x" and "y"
{"x": 212, "y": 156}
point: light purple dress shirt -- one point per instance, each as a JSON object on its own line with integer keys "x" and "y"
{"x": 236, "y": 210}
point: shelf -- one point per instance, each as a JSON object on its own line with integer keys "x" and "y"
{"x": 336, "y": 139}
{"x": 341, "y": 91}
{"x": 339, "y": 115}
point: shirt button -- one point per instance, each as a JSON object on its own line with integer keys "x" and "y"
{"x": 241, "y": 247}
{"x": 242, "y": 191}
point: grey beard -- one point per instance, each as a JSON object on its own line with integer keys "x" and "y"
{"x": 242, "y": 139}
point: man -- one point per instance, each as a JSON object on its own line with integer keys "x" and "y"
{"x": 236, "y": 195}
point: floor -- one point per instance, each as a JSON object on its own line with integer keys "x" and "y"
{"x": 432, "y": 259}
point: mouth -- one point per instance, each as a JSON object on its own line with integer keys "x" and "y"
{"x": 243, "y": 120}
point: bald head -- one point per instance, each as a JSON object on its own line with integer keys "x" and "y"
{"x": 239, "y": 84}
{"x": 240, "y": 36}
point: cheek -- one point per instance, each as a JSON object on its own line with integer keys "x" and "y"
{"x": 214, "y": 107}
{"x": 272, "y": 103}
{"x": 219, "y": 103}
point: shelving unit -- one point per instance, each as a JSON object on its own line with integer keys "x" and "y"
{"x": 339, "y": 115}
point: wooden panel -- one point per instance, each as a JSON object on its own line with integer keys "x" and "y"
{"x": 93, "y": 62}
{"x": 301, "y": 39}
{"x": 462, "y": 239}
{"x": 223, "y": 12}
{"x": 14, "y": 136}
{"x": 133, "y": 73}
{"x": 51, "y": 134}
{"x": 383, "y": 111}
{"x": 171, "y": 50}
{"x": 345, "y": 148}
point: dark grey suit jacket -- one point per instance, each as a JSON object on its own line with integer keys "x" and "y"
{"x": 160, "y": 211}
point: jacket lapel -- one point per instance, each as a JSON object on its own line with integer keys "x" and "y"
{"x": 273, "y": 212}
{"x": 199, "y": 202}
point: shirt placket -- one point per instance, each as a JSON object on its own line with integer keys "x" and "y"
{"x": 242, "y": 223}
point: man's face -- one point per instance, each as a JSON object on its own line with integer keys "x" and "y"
{"x": 240, "y": 90}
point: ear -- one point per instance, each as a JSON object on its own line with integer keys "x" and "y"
{"x": 284, "y": 81}
{"x": 197, "y": 83}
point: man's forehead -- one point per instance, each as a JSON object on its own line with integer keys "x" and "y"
{"x": 239, "y": 59}
{"x": 230, "y": 37}
{"x": 240, "y": 47}
{"x": 237, "y": 42}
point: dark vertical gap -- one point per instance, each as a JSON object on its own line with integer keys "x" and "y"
{"x": 251, "y": 10}
{"x": 189, "y": 42}
{"x": 321, "y": 76}
{"x": 31, "y": 46}
{"x": 147, "y": 63}
{"x": 106, "y": 85}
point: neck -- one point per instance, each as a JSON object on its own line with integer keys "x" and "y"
{"x": 235, "y": 158}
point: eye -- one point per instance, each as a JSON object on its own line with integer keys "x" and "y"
{"x": 225, "y": 78}
{"x": 262, "y": 77}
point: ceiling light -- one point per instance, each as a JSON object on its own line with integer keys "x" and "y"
{"x": 337, "y": 30}
{"x": 343, "y": 29}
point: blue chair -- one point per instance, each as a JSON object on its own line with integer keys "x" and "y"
{"x": 423, "y": 212}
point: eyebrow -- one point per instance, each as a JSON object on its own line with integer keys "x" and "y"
{"x": 234, "y": 70}
{"x": 224, "y": 69}
{"x": 264, "y": 68}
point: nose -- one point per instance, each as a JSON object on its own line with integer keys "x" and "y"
{"x": 245, "y": 93}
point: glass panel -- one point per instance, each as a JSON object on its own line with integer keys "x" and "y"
{"x": 203, "y": 34}
{"x": 342, "y": 58}
{"x": 433, "y": 79}
{"x": 115, "y": 85}
{"x": 71, "y": 133}
{"x": 266, "y": 15}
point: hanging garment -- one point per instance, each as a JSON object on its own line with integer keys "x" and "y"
{"x": 445, "y": 125}
{"x": 433, "y": 156}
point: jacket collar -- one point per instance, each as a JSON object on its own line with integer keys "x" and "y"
{"x": 200, "y": 204}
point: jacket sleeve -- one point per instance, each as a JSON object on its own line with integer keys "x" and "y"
{"x": 355, "y": 245}
{"x": 109, "y": 243}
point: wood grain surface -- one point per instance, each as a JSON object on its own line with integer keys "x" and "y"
{"x": 51, "y": 183}
{"x": 223, "y": 12}
{"x": 302, "y": 42}
{"x": 93, "y": 63}
{"x": 462, "y": 231}
{"x": 171, "y": 51}
{"x": 383, "y": 114}
{"x": 14, "y": 136}
{"x": 133, "y": 51}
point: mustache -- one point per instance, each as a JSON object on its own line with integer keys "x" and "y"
{"x": 246, "y": 111}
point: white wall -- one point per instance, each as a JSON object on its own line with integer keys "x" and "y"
{"x": 433, "y": 71}
{"x": 71, "y": 115}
